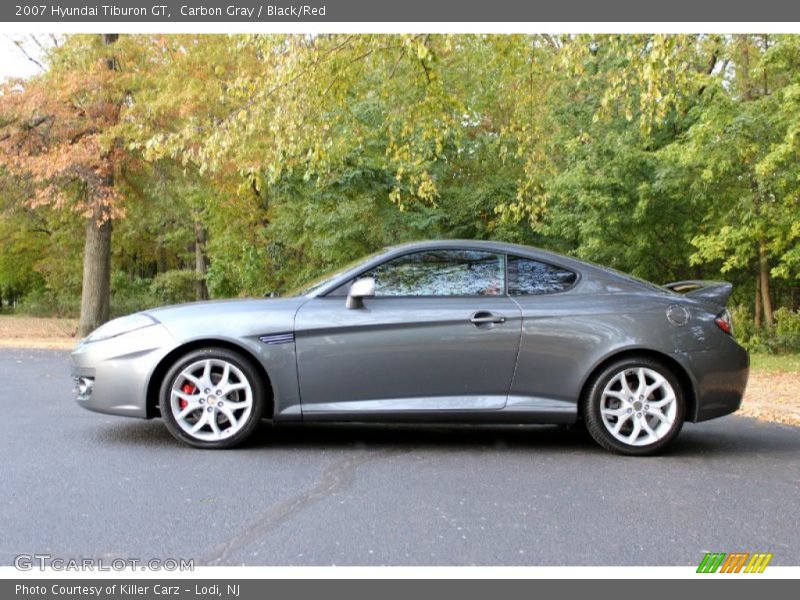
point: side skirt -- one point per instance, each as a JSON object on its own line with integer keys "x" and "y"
{"x": 516, "y": 410}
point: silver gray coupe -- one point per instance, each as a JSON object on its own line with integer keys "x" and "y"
{"x": 440, "y": 331}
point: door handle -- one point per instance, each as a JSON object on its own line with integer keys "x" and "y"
{"x": 484, "y": 316}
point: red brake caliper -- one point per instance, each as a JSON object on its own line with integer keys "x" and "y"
{"x": 187, "y": 388}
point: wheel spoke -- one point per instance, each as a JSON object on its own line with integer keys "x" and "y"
{"x": 620, "y": 422}
{"x": 192, "y": 406}
{"x": 618, "y": 395}
{"x": 226, "y": 376}
{"x": 193, "y": 380}
{"x": 614, "y": 412}
{"x": 659, "y": 381}
{"x": 649, "y": 430}
{"x": 637, "y": 428}
{"x": 237, "y": 405}
{"x": 659, "y": 415}
{"x": 669, "y": 399}
{"x": 212, "y": 420}
{"x": 200, "y": 423}
{"x": 626, "y": 389}
{"x": 234, "y": 387}
{"x": 225, "y": 410}
{"x": 185, "y": 396}
{"x": 640, "y": 390}
{"x": 207, "y": 372}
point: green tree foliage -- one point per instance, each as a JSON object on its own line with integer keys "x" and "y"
{"x": 255, "y": 163}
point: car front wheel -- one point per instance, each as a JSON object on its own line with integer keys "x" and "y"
{"x": 634, "y": 406}
{"x": 212, "y": 398}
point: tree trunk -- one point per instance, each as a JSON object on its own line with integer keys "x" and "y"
{"x": 744, "y": 60}
{"x": 96, "y": 289}
{"x": 200, "y": 261}
{"x": 763, "y": 273}
{"x": 161, "y": 262}
{"x": 763, "y": 263}
{"x": 757, "y": 316}
{"x": 96, "y": 272}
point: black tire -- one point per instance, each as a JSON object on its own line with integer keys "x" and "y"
{"x": 601, "y": 433}
{"x": 247, "y": 370}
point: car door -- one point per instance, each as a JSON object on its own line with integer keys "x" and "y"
{"x": 439, "y": 335}
{"x": 557, "y": 335}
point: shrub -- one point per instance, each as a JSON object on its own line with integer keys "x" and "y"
{"x": 40, "y": 303}
{"x": 787, "y": 331}
{"x": 129, "y": 294}
{"x": 744, "y": 329}
{"x": 784, "y": 337}
{"x": 173, "y": 287}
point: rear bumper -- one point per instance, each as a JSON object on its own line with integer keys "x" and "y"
{"x": 719, "y": 378}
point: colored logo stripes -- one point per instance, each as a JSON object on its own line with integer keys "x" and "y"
{"x": 735, "y": 562}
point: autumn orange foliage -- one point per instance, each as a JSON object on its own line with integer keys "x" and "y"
{"x": 58, "y": 131}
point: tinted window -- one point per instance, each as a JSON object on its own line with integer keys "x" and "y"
{"x": 528, "y": 277}
{"x": 440, "y": 273}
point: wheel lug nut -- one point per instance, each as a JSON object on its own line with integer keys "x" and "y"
{"x": 630, "y": 410}
{"x": 210, "y": 408}
{"x": 206, "y": 390}
{"x": 647, "y": 407}
{"x": 218, "y": 392}
{"x": 638, "y": 415}
{"x": 202, "y": 400}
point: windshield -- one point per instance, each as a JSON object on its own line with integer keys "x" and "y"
{"x": 312, "y": 286}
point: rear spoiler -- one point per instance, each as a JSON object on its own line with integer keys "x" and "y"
{"x": 717, "y": 292}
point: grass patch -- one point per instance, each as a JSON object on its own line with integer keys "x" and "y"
{"x": 775, "y": 363}
{"x": 37, "y": 332}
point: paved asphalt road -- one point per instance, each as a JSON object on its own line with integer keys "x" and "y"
{"x": 78, "y": 484}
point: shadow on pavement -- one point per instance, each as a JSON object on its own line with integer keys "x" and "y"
{"x": 744, "y": 436}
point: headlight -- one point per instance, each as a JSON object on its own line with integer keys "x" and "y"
{"x": 120, "y": 326}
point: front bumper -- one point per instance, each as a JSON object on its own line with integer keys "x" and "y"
{"x": 112, "y": 374}
{"x": 719, "y": 377}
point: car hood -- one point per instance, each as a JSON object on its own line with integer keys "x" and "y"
{"x": 229, "y": 318}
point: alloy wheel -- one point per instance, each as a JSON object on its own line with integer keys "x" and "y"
{"x": 638, "y": 406}
{"x": 211, "y": 399}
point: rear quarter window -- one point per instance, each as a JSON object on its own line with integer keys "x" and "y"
{"x": 528, "y": 277}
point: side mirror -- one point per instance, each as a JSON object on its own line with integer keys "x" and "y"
{"x": 361, "y": 288}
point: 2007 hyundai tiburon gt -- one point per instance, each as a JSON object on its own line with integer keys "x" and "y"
{"x": 440, "y": 331}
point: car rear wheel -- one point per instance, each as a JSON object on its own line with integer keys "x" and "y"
{"x": 634, "y": 406}
{"x": 212, "y": 398}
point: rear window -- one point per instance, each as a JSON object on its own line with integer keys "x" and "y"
{"x": 527, "y": 277}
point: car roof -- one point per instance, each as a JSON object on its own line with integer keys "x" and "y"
{"x": 489, "y": 246}
{"x": 584, "y": 269}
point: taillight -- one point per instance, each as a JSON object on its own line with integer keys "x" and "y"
{"x": 725, "y": 322}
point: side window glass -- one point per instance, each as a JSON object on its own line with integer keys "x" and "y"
{"x": 440, "y": 273}
{"x": 528, "y": 277}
